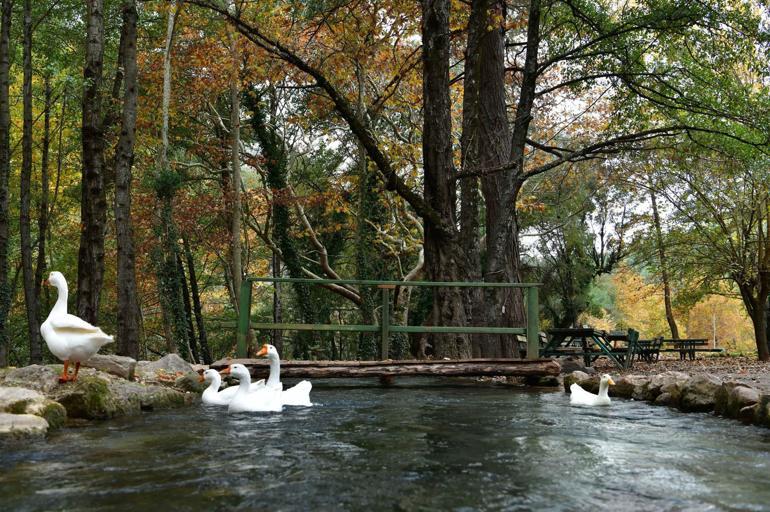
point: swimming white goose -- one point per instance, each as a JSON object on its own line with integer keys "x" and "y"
{"x": 265, "y": 399}
{"x": 297, "y": 395}
{"x": 71, "y": 339}
{"x": 579, "y": 396}
{"x": 213, "y": 396}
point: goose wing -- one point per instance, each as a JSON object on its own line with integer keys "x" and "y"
{"x": 76, "y": 327}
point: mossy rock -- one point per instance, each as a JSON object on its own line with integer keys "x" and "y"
{"x": 88, "y": 398}
{"x": 190, "y": 382}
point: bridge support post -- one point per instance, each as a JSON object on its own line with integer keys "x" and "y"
{"x": 533, "y": 324}
{"x": 244, "y": 311}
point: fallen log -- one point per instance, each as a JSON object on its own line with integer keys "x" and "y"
{"x": 393, "y": 368}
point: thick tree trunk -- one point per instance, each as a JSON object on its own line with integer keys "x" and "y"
{"x": 128, "y": 333}
{"x": 754, "y": 301}
{"x": 486, "y": 143}
{"x": 663, "y": 267}
{"x": 444, "y": 260}
{"x": 5, "y": 171}
{"x": 503, "y": 254}
{"x": 93, "y": 207}
{"x": 197, "y": 309}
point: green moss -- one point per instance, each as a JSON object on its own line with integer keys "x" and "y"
{"x": 54, "y": 413}
{"x": 89, "y": 398}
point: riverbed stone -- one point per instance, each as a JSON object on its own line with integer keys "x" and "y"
{"x": 165, "y": 369}
{"x": 43, "y": 378}
{"x": 16, "y": 427}
{"x": 190, "y": 382}
{"x": 763, "y": 410}
{"x": 630, "y": 386}
{"x": 121, "y": 366}
{"x": 698, "y": 393}
{"x": 575, "y": 377}
{"x": 733, "y": 397}
{"x": 748, "y": 414}
{"x": 572, "y": 364}
{"x": 99, "y": 397}
{"x": 666, "y": 382}
{"x": 17, "y": 400}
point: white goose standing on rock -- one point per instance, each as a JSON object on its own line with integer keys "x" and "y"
{"x": 71, "y": 339}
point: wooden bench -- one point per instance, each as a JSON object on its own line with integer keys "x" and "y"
{"x": 687, "y": 347}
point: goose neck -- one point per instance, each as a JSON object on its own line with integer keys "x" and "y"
{"x": 275, "y": 371}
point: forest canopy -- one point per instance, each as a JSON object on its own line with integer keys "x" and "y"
{"x": 158, "y": 152}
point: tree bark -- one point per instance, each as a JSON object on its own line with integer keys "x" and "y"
{"x": 93, "y": 207}
{"x": 443, "y": 253}
{"x": 5, "y": 171}
{"x": 128, "y": 332}
{"x": 235, "y": 166}
{"x": 42, "y": 219}
{"x": 663, "y": 266}
{"x": 28, "y": 273}
{"x": 194, "y": 354}
{"x": 486, "y": 143}
{"x": 197, "y": 309}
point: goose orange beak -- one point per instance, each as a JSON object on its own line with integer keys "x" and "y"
{"x": 611, "y": 382}
{"x": 226, "y": 371}
{"x": 262, "y": 352}
{"x": 45, "y": 282}
{"x": 201, "y": 378}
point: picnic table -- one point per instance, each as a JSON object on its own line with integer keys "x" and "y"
{"x": 591, "y": 344}
{"x": 687, "y": 347}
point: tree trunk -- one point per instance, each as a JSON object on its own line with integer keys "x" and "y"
{"x": 197, "y": 309}
{"x": 235, "y": 166}
{"x": 28, "y": 273}
{"x": 275, "y": 163}
{"x": 443, "y": 253}
{"x": 486, "y": 143}
{"x": 194, "y": 354}
{"x": 93, "y": 207}
{"x": 128, "y": 333}
{"x": 277, "y": 303}
{"x": 42, "y": 219}
{"x": 754, "y": 301}
{"x": 5, "y": 171}
{"x": 663, "y": 266}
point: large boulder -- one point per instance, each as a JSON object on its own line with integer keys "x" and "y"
{"x": 121, "y": 366}
{"x": 165, "y": 369}
{"x": 15, "y": 427}
{"x": 762, "y": 411}
{"x": 630, "y": 386}
{"x": 572, "y": 364}
{"x": 190, "y": 382}
{"x": 699, "y": 393}
{"x": 582, "y": 379}
{"x": 97, "y": 397}
{"x": 666, "y": 382}
{"x": 17, "y": 400}
{"x": 733, "y": 397}
{"x": 38, "y": 377}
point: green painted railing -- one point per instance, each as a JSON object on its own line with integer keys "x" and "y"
{"x": 385, "y": 327}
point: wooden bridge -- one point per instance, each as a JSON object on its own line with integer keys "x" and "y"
{"x": 259, "y": 368}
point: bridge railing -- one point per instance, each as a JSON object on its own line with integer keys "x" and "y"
{"x": 385, "y": 327}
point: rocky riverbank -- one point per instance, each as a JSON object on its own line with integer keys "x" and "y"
{"x": 33, "y": 402}
{"x": 689, "y": 393}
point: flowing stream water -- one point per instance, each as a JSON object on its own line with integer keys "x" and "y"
{"x": 415, "y": 446}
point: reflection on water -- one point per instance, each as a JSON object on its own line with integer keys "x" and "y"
{"x": 404, "y": 448}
